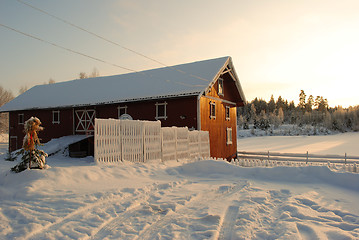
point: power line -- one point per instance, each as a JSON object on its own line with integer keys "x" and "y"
{"x": 65, "y": 48}
{"x": 107, "y": 40}
{"x": 82, "y": 54}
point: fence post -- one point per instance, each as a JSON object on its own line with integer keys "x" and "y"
{"x": 307, "y": 158}
{"x": 345, "y": 161}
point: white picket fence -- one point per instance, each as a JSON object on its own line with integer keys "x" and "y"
{"x": 142, "y": 141}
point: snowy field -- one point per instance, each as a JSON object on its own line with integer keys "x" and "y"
{"x": 337, "y": 144}
{"x": 77, "y": 199}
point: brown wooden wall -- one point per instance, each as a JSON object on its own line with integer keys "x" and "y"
{"x": 218, "y": 127}
{"x": 52, "y": 130}
{"x": 181, "y": 112}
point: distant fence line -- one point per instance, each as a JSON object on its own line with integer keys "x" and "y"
{"x": 142, "y": 141}
{"x": 269, "y": 159}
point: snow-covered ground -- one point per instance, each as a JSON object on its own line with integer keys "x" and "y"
{"x": 78, "y": 199}
{"x": 337, "y": 144}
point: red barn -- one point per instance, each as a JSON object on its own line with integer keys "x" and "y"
{"x": 201, "y": 95}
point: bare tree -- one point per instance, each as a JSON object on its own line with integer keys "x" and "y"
{"x": 95, "y": 73}
{"x": 82, "y": 75}
{"x": 23, "y": 89}
{"x": 5, "y": 96}
{"x": 51, "y": 81}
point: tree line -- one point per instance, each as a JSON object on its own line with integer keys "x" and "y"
{"x": 260, "y": 114}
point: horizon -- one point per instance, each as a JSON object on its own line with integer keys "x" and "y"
{"x": 277, "y": 47}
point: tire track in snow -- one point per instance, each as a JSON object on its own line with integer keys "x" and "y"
{"x": 195, "y": 203}
{"x": 110, "y": 226}
{"x": 127, "y": 194}
{"x": 226, "y": 228}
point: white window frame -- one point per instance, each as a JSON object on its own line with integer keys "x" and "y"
{"x": 164, "y": 104}
{"x": 58, "y": 117}
{"x": 229, "y": 134}
{"x": 220, "y": 86}
{"x": 212, "y": 110}
{"x": 228, "y": 113}
{"x": 20, "y": 119}
{"x": 123, "y": 109}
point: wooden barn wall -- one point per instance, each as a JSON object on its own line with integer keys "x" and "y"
{"x": 218, "y": 127}
{"x": 230, "y": 91}
{"x": 52, "y": 130}
{"x": 181, "y": 112}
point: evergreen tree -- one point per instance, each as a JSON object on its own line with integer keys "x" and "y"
{"x": 271, "y": 105}
{"x": 302, "y": 97}
{"x": 321, "y": 103}
{"x": 315, "y": 112}
{"x": 280, "y": 104}
{"x": 309, "y": 104}
{"x": 253, "y": 113}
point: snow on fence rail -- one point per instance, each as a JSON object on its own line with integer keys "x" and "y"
{"x": 250, "y": 159}
{"x": 141, "y": 141}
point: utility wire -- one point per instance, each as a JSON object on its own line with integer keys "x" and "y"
{"x": 107, "y": 40}
{"x": 85, "y": 55}
{"x": 64, "y": 48}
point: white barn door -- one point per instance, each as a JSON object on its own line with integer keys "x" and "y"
{"x": 85, "y": 121}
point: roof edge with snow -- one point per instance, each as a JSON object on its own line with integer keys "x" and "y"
{"x": 189, "y": 79}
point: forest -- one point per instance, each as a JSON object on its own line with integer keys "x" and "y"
{"x": 310, "y": 111}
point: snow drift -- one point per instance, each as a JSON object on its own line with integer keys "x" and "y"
{"x": 78, "y": 199}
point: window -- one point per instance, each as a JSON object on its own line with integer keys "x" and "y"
{"x": 55, "y": 117}
{"x": 229, "y": 136}
{"x": 228, "y": 116}
{"x": 122, "y": 110}
{"x": 212, "y": 110}
{"x": 161, "y": 111}
{"x": 220, "y": 86}
{"x": 21, "y": 118}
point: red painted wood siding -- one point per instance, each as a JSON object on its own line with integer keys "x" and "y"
{"x": 181, "y": 112}
{"x": 52, "y": 130}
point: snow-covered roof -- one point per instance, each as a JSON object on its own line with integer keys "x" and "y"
{"x": 180, "y": 80}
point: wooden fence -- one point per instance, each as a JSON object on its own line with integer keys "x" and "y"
{"x": 142, "y": 141}
{"x": 250, "y": 159}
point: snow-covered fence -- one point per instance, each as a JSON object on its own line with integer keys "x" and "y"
{"x": 182, "y": 144}
{"x": 204, "y": 144}
{"x": 135, "y": 141}
{"x": 132, "y": 140}
{"x": 199, "y": 144}
{"x": 108, "y": 140}
{"x": 141, "y": 141}
{"x": 169, "y": 144}
{"x": 194, "y": 144}
{"x": 152, "y": 141}
{"x": 176, "y": 143}
{"x": 270, "y": 159}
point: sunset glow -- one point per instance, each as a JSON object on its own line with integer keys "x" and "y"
{"x": 278, "y": 47}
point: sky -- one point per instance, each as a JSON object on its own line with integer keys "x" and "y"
{"x": 278, "y": 47}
